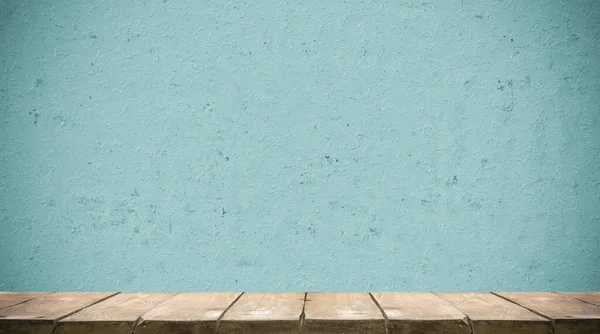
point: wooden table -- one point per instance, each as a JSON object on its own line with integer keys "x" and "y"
{"x": 254, "y": 312}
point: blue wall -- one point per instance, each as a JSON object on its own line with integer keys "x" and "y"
{"x": 300, "y": 145}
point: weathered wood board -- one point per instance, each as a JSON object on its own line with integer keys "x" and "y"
{"x": 588, "y": 297}
{"x": 187, "y": 312}
{"x": 569, "y": 315}
{"x": 38, "y": 315}
{"x": 327, "y": 312}
{"x": 492, "y": 314}
{"x": 115, "y": 315}
{"x": 12, "y": 298}
{"x": 257, "y": 312}
{"x": 420, "y": 312}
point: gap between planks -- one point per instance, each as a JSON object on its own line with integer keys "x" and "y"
{"x": 303, "y": 314}
{"x": 225, "y": 311}
{"x": 24, "y": 300}
{"x": 55, "y": 322}
{"x": 139, "y": 319}
{"x": 385, "y": 317}
{"x": 527, "y": 308}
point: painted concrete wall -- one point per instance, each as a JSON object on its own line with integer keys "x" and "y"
{"x": 300, "y": 145}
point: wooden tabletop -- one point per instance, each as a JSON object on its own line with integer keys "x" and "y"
{"x": 328, "y": 312}
{"x": 321, "y": 312}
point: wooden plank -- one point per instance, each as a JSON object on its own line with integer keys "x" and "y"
{"x": 421, "y": 312}
{"x": 187, "y": 312}
{"x": 327, "y": 312}
{"x": 568, "y": 314}
{"x": 492, "y": 314}
{"x": 12, "y": 298}
{"x": 116, "y": 315}
{"x": 257, "y": 312}
{"x": 588, "y": 297}
{"x": 38, "y": 315}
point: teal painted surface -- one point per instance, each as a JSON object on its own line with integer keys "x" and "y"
{"x": 300, "y": 145}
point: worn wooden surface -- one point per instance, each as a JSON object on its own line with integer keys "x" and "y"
{"x": 264, "y": 313}
{"x": 359, "y": 312}
{"x": 39, "y": 314}
{"x": 327, "y": 312}
{"x": 588, "y": 297}
{"x": 187, "y": 312}
{"x": 492, "y": 314}
{"x": 116, "y": 315}
{"x": 569, "y": 315}
{"x": 12, "y": 298}
{"x": 420, "y": 312}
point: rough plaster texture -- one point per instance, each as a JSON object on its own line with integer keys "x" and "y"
{"x": 300, "y": 145}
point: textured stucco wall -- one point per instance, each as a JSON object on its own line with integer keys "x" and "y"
{"x": 300, "y": 145}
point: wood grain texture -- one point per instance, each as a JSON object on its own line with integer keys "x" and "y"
{"x": 492, "y": 314}
{"x": 257, "y": 312}
{"x": 328, "y": 312}
{"x": 569, "y": 315}
{"x": 420, "y": 312}
{"x": 187, "y": 312}
{"x": 12, "y": 298}
{"x": 226, "y": 313}
{"x": 38, "y": 315}
{"x": 588, "y": 297}
{"x": 117, "y": 314}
